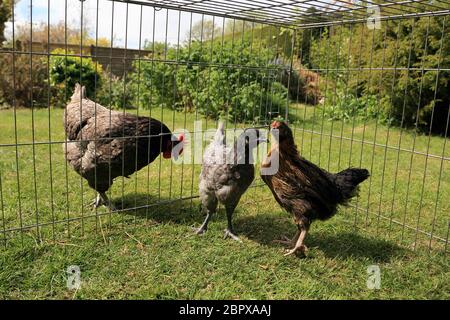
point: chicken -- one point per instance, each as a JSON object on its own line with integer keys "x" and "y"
{"x": 103, "y": 144}
{"x": 227, "y": 172}
{"x": 302, "y": 188}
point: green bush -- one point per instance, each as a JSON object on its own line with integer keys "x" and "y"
{"x": 25, "y": 84}
{"x": 115, "y": 93}
{"x": 66, "y": 71}
{"x": 217, "y": 80}
{"x": 397, "y": 64}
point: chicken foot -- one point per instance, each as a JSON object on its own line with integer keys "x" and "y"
{"x": 299, "y": 246}
{"x": 229, "y": 230}
{"x": 102, "y": 199}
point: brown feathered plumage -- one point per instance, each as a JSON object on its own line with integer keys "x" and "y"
{"x": 103, "y": 144}
{"x": 303, "y": 189}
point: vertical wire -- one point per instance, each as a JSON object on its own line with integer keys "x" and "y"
{"x": 66, "y": 169}
{"x": 138, "y": 102}
{"x": 233, "y": 66}
{"x": 162, "y": 106}
{"x": 185, "y": 113}
{"x": 365, "y": 120}
{"x": 376, "y": 126}
{"x": 403, "y": 118}
{"x": 355, "y": 221}
{"x": 441, "y": 166}
{"x": 276, "y": 73}
{"x": 81, "y": 115}
{"x": 415, "y": 136}
{"x": 196, "y": 106}
{"x": 97, "y": 217}
{"x": 2, "y": 207}
{"x": 185, "y": 119}
{"x": 110, "y": 111}
{"x": 177, "y": 58}
{"x": 324, "y": 101}
{"x": 174, "y": 96}
{"x": 256, "y": 203}
{"x": 262, "y": 75}
{"x": 338, "y": 56}
{"x": 166, "y": 49}
{"x": 241, "y": 71}
{"x": 124, "y": 79}
{"x": 318, "y": 80}
{"x": 33, "y": 128}
{"x": 257, "y": 75}
{"x": 266, "y": 103}
{"x": 209, "y": 72}
{"x": 150, "y": 113}
{"x": 345, "y": 96}
{"x": 291, "y": 70}
{"x": 299, "y": 57}
{"x": 389, "y": 131}
{"x": 49, "y": 125}
{"x": 19, "y": 202}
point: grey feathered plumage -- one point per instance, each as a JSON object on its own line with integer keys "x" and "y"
{"x": 226, "y": 174}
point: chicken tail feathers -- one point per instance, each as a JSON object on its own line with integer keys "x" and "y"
{"x": 79, "y": 93}
{"x": 219, "y": 137}
{"x": 348, "y": 180}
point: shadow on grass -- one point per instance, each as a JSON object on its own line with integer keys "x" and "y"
{"x": 265, "y": 228}
{"x": 262, "y": 228}
{"x": 161, "y": 210}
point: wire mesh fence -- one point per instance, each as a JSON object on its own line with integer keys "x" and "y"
{"x": 362, "y": 84}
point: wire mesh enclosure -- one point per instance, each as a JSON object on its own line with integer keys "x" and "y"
{"x": 361, "y": 83}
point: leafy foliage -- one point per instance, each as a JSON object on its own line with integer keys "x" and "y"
{"x": 397, "y": 63}
{"x": 22, "y": 81}
{"x": 229, "y": 80}
{"x": 66, "y": 71}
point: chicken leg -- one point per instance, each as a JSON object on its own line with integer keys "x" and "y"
{"x": 204, "y": 225}
{"x": 229, "y": 230}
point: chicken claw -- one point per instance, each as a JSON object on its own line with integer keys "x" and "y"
{"x": 230, "y": 234}
{"x": 303, "y": 249}
{"x": 102, "y": 200}
{"x": 200, "y": 230}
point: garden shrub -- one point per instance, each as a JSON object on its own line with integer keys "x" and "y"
{"x": 22, "y": 81}
{"x": 66, "y": 71}
{"x": 217, "y": 80}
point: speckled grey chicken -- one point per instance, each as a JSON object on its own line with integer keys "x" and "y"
{"x": 227, "y": 172}
{"x": 302, "y": 188}
{"x": 103, "y": 144}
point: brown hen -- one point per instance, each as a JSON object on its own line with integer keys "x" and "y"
{"x": 302, "y": 188}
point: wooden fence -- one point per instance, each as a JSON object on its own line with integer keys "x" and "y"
{"x": 117, "y": 60}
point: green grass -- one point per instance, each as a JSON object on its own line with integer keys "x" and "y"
{"x": 152, "y": 253}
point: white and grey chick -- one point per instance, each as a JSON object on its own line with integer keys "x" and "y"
{"x": 227, "y": 172}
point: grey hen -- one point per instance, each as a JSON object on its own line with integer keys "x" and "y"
{"x": 103, "y": 144}
{"x": 227, "y": 172}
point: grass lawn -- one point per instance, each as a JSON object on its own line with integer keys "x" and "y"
{"x": 152, "y": 252}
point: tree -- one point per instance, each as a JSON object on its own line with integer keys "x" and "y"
{"x": 204, "y": 30}
{"x": 58, "y": 33}
{"x": 5, "y": 15}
